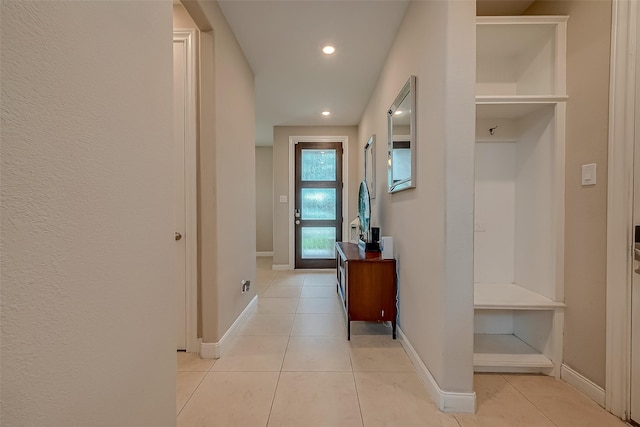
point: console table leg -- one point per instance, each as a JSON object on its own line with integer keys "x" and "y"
{"x": 348, "y": 330}
{"x": 394, "y": 329}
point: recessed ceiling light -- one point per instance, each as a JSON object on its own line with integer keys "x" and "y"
{"x": 326, "y": 113}
{"x": 328, "y": 49}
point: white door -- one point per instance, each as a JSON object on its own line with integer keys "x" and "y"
{"x": 635, "y": 293}
{"x": 635, "y": 282}
{"x": 179, "y": 79}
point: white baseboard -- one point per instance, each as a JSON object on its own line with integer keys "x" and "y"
{"x": 444, "y": 400}
{"x": 281, "y": 267}
{"x": 583, "y": 384}
{"x": 264, "y": 253}
{"x": 210, "y": 350}
{"x": 213, "y": 350}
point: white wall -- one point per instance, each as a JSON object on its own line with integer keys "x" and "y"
{"x": 88, "y": 331}
{"x": 264, "y": 199}
{"x": 495, "y": 200}
{"x": 432, "y": 225}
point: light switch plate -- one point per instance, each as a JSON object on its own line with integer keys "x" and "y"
{"x": 283, "y": 199}
{"x": 589, "y": 174}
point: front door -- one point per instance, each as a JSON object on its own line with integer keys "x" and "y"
{"x": 318, "y": 203}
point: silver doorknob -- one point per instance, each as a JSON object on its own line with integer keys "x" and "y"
{"x": 178, "y": 236}
{"x": 297, "y": 221}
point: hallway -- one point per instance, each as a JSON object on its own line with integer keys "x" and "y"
{"x": 290, "y": 364}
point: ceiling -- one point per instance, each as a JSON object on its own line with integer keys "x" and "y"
{"x": 294, "y": 81}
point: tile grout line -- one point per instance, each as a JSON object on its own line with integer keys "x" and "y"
{"x": 528, "y": 400}
{"x": 194, "y": 390}
{"x": 355, "y": 383}
{"x": 275, "y": 390}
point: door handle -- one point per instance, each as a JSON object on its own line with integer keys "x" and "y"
{"x": 297, "y": 222}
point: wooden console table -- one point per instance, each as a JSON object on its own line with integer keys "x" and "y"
{"x": 367, "y": 285}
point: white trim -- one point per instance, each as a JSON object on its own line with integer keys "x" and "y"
{"x": 213, "y": 350}
{"x": 559, "y": 215}
{"x": 293, "y": 140}
{"x": 260, "y": 254}
{"x": 583, "y": 384}
{"x": 281, "y": 267}
{"x": 520, "y": 99}
{"x": 209, "y": 350}
{"x": 620, "y": 206}
{"x": 528, "y": 19}
{"x": 187, "y": 37}
{"x": 444, "y": 400}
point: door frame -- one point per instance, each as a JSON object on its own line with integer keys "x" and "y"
{"x": 293, "y": 140}
{"x": 338, "y": 184}
{"x": 622, "y": 95}
{"x": 187, "y": 36}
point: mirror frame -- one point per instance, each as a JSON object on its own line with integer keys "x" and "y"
{"x": 409, "y": 89}
{"x": 370, "y": 165}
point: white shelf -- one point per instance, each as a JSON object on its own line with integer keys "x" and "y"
{"x": 521, "y": 55}
{"x": 521, "y": 19}
{"x": 509, "y": 296}
{"x": 520, "y": 99}
{"x": 506, "y": 353}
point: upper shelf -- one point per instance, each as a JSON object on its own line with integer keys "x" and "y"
{"x": 521, "y": 55}
{"x": 519, "y": 99}
{"x": 516, "y": 109}
{"x": 509, "y": 296}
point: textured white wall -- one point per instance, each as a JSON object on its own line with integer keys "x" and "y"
{"x": 87, "y": 305}
{"x": 432, "y": 225}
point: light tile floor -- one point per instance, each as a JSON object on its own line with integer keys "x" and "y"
{"x": 290, "y": 364}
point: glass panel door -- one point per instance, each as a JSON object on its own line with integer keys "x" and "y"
{"x": 318, "y": 204}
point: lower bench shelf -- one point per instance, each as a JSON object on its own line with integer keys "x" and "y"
{"x": 507, "y": 353}
{"x": 516, "y": 330}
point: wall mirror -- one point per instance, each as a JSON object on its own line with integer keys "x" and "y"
{"x": 401, "y": 119}
{"x": 370, "y": 165}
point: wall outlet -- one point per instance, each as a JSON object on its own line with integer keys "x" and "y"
{"x": 246, "y": 285}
